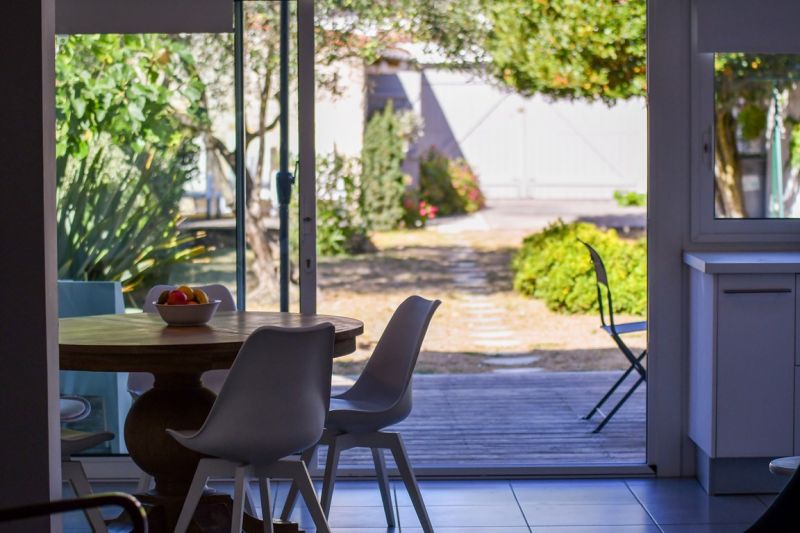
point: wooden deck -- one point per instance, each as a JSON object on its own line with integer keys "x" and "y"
{"x": 508, "y": 419}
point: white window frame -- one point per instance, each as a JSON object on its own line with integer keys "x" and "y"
{"x": 720, "y": 26}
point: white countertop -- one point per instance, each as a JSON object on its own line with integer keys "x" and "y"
{"x": 744, "y": 262}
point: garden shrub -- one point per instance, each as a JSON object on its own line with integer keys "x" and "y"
{"x": 553, "y": 266}
{"x": 417, "y": 212}
{"x": 383, "y": 183}
{"x": 630, "y": 199}
{"x": 341, "y": 227}
{"x": 449, "y": 185}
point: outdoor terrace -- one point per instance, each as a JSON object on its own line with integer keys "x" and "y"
{"x": 511, "y": 419}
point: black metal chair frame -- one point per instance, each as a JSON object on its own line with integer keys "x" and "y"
{"x": 117, "y": 499}
{"x": 615, "y": 331}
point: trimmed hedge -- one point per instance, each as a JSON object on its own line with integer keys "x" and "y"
{"x": 553, "y": 266}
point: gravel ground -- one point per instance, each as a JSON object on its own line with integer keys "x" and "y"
{"x": 419, "y": 262}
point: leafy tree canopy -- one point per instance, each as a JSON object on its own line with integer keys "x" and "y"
{"x": 594, "y": 50}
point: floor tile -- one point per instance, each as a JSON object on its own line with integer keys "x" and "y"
{"x": 683, "y": 501}
{"x": 705, "y": 528}
{"x": 585, "y": 515}
{"x": 466, "y": 516}
{"x": 463, "y": 529}
{"x": 436, "y": 493}
{"x": 767, "y": 499}
{"x": 345, "y": 494}
{"x": 596, "y": 529}
{"x": 574, "y": 491}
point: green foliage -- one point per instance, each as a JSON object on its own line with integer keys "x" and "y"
{"x": 118, "y": 221}
{"x": 383, "y": 183}
{"x": 553, "y": 266}
{"x": 569, "y": 48}
{"x": 448, "y": 185}
{"x": 341, "y": 228}
{"x": 126, "y": 86}
{"x": 123, "y": 155}
{"x": 630, "y": 199}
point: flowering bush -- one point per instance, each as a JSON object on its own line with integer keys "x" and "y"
{"x": 417, "y": 212}
{"x": 450, "y": 185}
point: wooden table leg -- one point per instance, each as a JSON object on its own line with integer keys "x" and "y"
{"x": 176, "y": 401}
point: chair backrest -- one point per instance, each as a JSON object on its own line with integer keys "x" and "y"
{"x": 387, "y": 375}
{"x": 601, "y": 278}
{"x": 87, "y": 298}
{"x": 215, "y": 291}
{"x": 275, "y": 399}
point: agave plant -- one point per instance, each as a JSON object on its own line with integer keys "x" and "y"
{"x": 118, "y": 220}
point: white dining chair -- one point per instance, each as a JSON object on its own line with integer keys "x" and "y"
{"x": 272, "y": 405}
{"x": 141, "y": 382}
{"x": 75, "y": 409}
{"x": 379, "y": 398}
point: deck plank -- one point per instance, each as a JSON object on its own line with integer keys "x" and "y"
{"x": 506, "y": 419}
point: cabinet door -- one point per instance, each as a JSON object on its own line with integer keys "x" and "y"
{"x": 755, "y": 365}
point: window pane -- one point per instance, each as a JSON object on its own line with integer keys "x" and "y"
{"x": 145, "y": 146}
{"x": 757, "y": 136}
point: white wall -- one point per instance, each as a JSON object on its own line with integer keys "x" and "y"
{"x": 531, "y": 147}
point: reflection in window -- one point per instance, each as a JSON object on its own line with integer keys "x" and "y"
{"x": 757, "y": 136}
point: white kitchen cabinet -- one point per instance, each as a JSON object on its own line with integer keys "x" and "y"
{"x": 743, "y": 354}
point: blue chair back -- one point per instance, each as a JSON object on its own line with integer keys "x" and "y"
{"x": 106, "y": 391}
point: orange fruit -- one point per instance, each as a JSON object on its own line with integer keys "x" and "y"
{"x": 185, "y": 289}
{"x": 200, "y": 296}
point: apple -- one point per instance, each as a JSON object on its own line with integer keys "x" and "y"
{"x": 177, "y": 298}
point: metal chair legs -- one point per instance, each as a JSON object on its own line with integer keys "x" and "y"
{"x": 642, "y": 377}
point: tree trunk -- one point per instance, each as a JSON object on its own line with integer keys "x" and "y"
{"x": 728, "y": 174}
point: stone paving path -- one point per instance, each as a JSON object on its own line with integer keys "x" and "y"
{"x": 485, "y": 318}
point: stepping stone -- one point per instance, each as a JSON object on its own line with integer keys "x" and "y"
{"x": 341, "y": 381}
{"x": 527, "y": 370}
{"x": 497, "y": 343}
{"x": 512, "y": 361}
{"x": 489, "y": 334}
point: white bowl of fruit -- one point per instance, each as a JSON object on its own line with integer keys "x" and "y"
{"x": 185, "y": 306}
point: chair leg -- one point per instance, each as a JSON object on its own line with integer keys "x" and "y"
{"x": 266, "y": 503}
{"x": 193, "y": 497}
{"x": 609, "y": 393}
{"x": 237, "y": 513}
{"x": 145, "y": 482}
{"x": 401, "y": 459}
{"x": 383, "y": 484}
{"x": 306, "y": 488}
{"x": 291, "y": 497}
{"x": 249, "y": 502}
{"x": 608, "y": 417}
{"x": 329, "y": 480}
{"x": 72, "y": 471}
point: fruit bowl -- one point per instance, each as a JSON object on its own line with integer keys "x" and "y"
{"x": 187, "y": 315}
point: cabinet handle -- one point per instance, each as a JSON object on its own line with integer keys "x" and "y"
{"x": 757, "y": 291}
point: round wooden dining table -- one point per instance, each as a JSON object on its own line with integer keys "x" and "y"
{"x": 177, "y": 357}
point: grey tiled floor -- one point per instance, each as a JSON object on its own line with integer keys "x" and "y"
{"x": 552, "y": 506}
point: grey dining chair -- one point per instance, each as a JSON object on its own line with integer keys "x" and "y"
{"x": 379, "y": 398}
{"x": 615, "y": 331}
{"x": 272, "y": 405}
{"x": 75, "y": 409}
